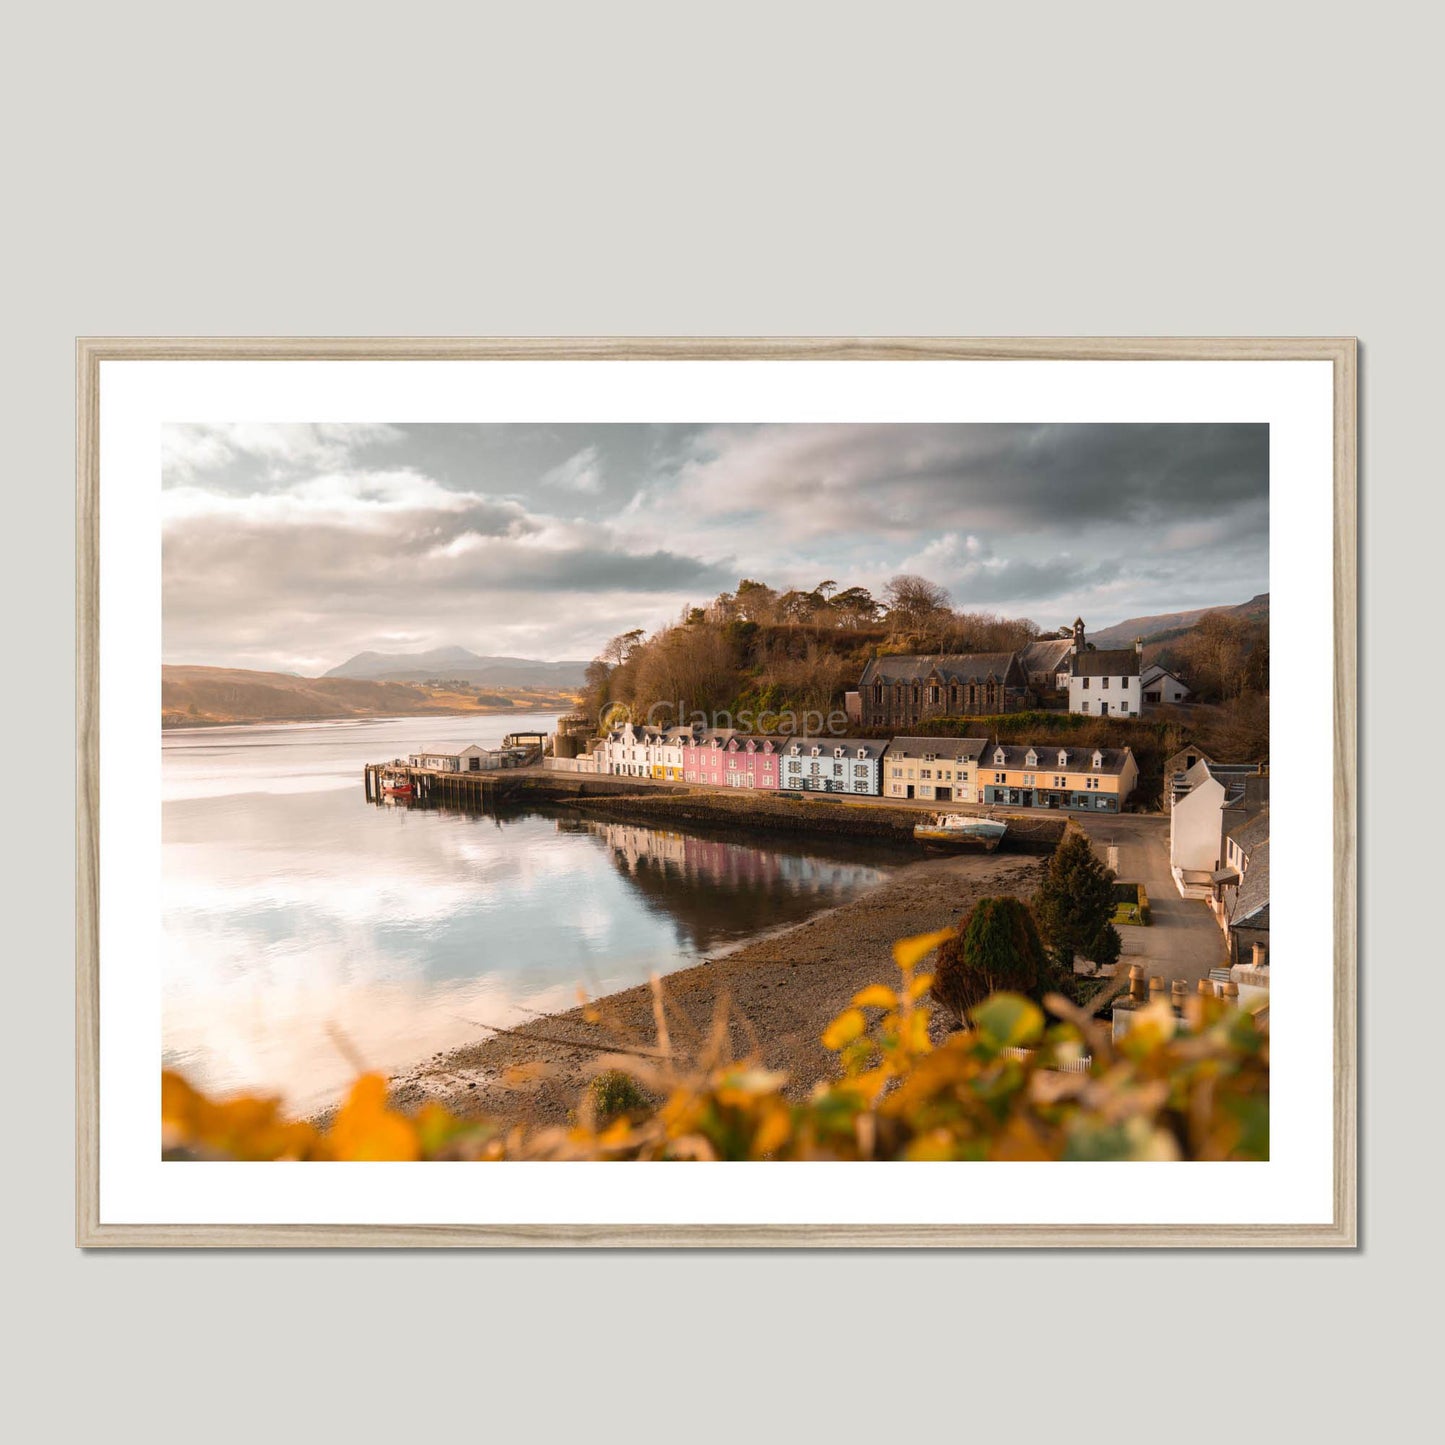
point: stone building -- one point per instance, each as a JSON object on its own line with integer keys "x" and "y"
{"x": 905, "y": 690}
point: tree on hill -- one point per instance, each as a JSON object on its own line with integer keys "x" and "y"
{"x": 914, "y": 601}
{"x": 997, "y": 949}
{"x": 1075, "y": 904}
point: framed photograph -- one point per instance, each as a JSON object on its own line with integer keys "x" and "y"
{"x": 513, "y": 770}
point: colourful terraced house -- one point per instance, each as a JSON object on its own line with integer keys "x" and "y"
{"x": 1094, "y": 780}
{"x": 944, "y": 769}
{"x": 833, "y": 765}
{"x": 726, "y": 758}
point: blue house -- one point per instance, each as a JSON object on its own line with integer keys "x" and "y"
{"x": 833, "y": 765}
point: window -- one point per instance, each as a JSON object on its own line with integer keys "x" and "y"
{"x": 1000, "y": 777}
{"x": 1103, "y": 682}
{"x": 1084, "y": 684}
{"x": 1124, "y": 706}
{"x": 896, "y": 773}
{"x": 1028, "y": 780}
{"x": 925, "y": 773}
{"x": 1091, "y": 783}
{"x": 860, "y": 772}
{"x": 1083, "y": 707}
{"x": 1060, "y": 782}
{"x": 837, "y": 770}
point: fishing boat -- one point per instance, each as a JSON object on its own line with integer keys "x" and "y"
{"x": 959, "y": 830}
{"x": 396, "y": 785}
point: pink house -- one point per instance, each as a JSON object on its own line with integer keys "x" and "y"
{"x": 724, "y": 758}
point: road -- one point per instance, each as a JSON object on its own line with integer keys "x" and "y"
{"x": 1184, "y": 940}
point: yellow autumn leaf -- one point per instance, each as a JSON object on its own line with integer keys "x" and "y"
{"x": 920, "y": 986}
{"x": 876, "y": 995}
{"x": 844, "y": 1029}
{"x": 772, "y": 1133}
{"x": 908, "y": 953}
{"x": 365, "y": 1129}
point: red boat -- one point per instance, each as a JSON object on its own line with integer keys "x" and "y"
{"x": 396, "y": 785}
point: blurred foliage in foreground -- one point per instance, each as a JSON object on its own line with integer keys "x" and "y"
{"x": 1011, "y": 1087}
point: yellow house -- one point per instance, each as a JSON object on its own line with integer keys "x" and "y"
{"x": 944, "y": 769}
{"x": 1095, "y": 780}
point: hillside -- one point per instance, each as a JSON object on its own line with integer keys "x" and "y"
{"x": 459, "y": 665}
{"x": 1174, "y": 624}
{"x": 203, "y": 696}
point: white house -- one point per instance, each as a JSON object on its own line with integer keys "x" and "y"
{"x": 638, "y": 751}
{"x": 1209, "y": 803}
{"x": 1159, "y": 685}
{"x": 1105, "y": 682}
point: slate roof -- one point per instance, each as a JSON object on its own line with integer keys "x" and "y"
{"x": 870, "y": 747}
{"x": 1047, "y": 654}
{"x": 951, "y": 667}
{"x": 961, "y": 750}
{"x": 1081, "y": 760}
{"x": 1107, "y": 662}
{"x": 1251, "y": 834}
{"x": 1251, "y": 906}
{"x": 1154, "y": 672}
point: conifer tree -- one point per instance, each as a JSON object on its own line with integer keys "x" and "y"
{"x": 998, "y": 949}
{"x": 1075, "y": 904}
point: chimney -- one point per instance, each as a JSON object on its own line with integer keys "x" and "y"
{"x": 1139, "y": 646}
{"x": 1231, "y": 990}
{"x": 1156, "y": 986}
{"x": 1138, "y": 989}
{"x": 1205, "y": 988}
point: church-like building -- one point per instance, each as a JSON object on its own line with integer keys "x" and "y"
{"x": 905, "y": 690}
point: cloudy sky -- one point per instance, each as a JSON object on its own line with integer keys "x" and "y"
{"x": 293, "y": 547}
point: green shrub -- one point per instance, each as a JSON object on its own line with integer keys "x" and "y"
{"x": 997, "y": 949}
{"x": 615, "y": 1094}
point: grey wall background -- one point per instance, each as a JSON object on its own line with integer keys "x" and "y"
{"x": 832, "y": 169}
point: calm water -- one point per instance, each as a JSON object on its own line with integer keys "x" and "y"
{"x": 296, "y": 911}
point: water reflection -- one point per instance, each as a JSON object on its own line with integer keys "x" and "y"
{"x": 293, "y": 909}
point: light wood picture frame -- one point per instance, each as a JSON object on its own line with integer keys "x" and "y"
{"x": 92, "y": 1231}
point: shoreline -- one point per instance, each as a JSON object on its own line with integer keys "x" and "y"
{"x": 782, "y": 989}
{"x": 197, "y": 725}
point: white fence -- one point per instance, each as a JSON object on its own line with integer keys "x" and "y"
{"x": 571, "y": 765}
{"x": 1062, "y": 1066}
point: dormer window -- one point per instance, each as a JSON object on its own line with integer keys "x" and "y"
{"x": 794, "y": 750}
{"x": 815, "y": 753}
{"x": 1098, "y": 758}
{"x": 838, "y": 753}
{"x": 862, "y": 755}
{"x": 1063, "y": 757}
{"x": 1031, "y": 758}
{"x": 998, "y": 756}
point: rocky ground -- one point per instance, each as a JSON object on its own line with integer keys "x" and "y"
{"x": 781, "y": 991}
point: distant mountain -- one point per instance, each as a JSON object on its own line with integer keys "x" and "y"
{"x": 457, "y": 664}
{"x": 1171, "y": 624}
{"x": 201, "y": 696}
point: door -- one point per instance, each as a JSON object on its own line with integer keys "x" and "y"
{"x": 910, "y": 791}
{"x": 944, "y": 795}
{"x": 1103, "y": 709}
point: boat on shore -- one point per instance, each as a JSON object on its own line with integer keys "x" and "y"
{"x": 960, "y": 830}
